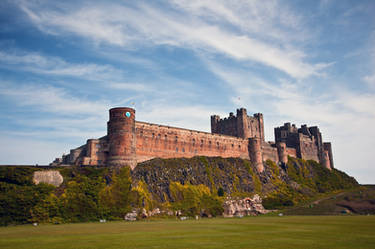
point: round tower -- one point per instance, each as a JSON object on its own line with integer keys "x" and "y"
{"x": 281, "y": 151}
{"x": 121, "y": 137}
{"x": 255, "y": 151}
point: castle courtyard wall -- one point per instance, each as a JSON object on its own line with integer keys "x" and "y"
{"x": 170, "y": 142}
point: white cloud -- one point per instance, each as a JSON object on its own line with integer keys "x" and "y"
{"x": 144, "y": 24}
{"x": 130, "y": 86}
{"x": 49, "y": 65}
{"x": 51, "y": 99}
{"x": 253, "y": 17}
{"x": 370, "y": 80}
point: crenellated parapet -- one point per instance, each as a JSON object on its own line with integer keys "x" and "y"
{"x": 307, "y": 141}
{"x": 239, "y": 125}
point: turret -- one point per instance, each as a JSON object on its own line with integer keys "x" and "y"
{"x": 242, "y": 124}
{"x": 121, "y": 137}
{"x": 328, "y": 147}
{"x": 214, "y": 123}
{"x": 255, "y": 152}
{"x": 259, "y": 117}
{"x": 281, "y": 151}
{"x": 91, "y": 151}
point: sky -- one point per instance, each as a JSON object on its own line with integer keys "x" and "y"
{"x": 63, "y": 64}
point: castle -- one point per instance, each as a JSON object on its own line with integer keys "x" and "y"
{"x": 129, "y": 142}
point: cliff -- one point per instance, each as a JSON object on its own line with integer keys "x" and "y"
{"x": 194, "y": 186}
{"x": 279, "y": 186}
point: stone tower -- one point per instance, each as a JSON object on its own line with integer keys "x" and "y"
{"x": 282, "y": 153}
{"x": 255, "y": 152}
{"x": 240, "y": 125}
{"x": 122, "y": 137}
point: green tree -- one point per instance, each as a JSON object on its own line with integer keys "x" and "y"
{"x": 114, "y": 199}
{"x": 81, "y": 199}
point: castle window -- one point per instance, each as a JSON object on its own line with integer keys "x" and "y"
{"x": 232, "y": 145}
{"x": 141, "y": 134}
{"x": 217, "y": 144}
{"x": 183, "y": 149}
{"x": 159, "y": 136}
{"x": 165, "y": 137}
{"x": 153, "y": 135}
{"x": 209, "y": 143}
{"x": 176, "y": 149}
{"x": 239, "y": 146}
{"x": 176, "y": 138}
{"x": 193, "y": 141}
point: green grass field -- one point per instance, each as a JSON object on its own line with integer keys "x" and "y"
{"x": 249, "y": 232}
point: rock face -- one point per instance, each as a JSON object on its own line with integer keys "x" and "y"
{"x": 228, "y": 173}
{"x": 52, "y": 177}
{"x": 243, "y": 207}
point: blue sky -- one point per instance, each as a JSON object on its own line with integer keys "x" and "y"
{"x": 63, "y": 65}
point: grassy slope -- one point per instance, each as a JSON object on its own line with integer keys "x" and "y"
{"x": 360, "y": 200}
{"x": 249, "y": 232}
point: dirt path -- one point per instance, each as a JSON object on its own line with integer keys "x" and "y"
{"x": 326, "y": 198}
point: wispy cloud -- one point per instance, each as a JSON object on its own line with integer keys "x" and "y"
{"x": 49, "y": 65}
{"x": 51, "y": 99}
{"x": 138, "y": 87}
{"x": 148, "y": 24}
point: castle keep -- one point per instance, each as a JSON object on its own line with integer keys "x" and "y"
{"x": 129, "y": 142}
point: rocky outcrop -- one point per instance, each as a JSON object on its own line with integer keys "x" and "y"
{"x": 132, "y": 216}
{"x": 231, "y": 174}
{"x": 244, "y": 207}
{"x": 52, "y": 177}
{"x": 142, "y": 213}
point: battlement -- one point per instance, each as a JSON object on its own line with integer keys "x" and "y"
{"x": 239, "y": 125}
{"x": 129, "y": 142}
{"x": 307, "y": 141}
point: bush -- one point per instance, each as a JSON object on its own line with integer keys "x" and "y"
{"x": 194, "y": 199}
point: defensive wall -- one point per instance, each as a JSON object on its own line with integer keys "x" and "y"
{"x": 129, "y": 142}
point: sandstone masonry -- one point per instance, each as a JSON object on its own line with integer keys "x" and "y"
{"x": 129, "y": 142}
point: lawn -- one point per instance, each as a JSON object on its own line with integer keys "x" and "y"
{"x": 249, "y": 232}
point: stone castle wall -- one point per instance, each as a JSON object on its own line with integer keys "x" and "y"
{"x": 169, "y": 142}
{"x": 129, "y": 142}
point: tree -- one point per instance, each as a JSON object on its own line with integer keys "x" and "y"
{"x": 114, "y": 199}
